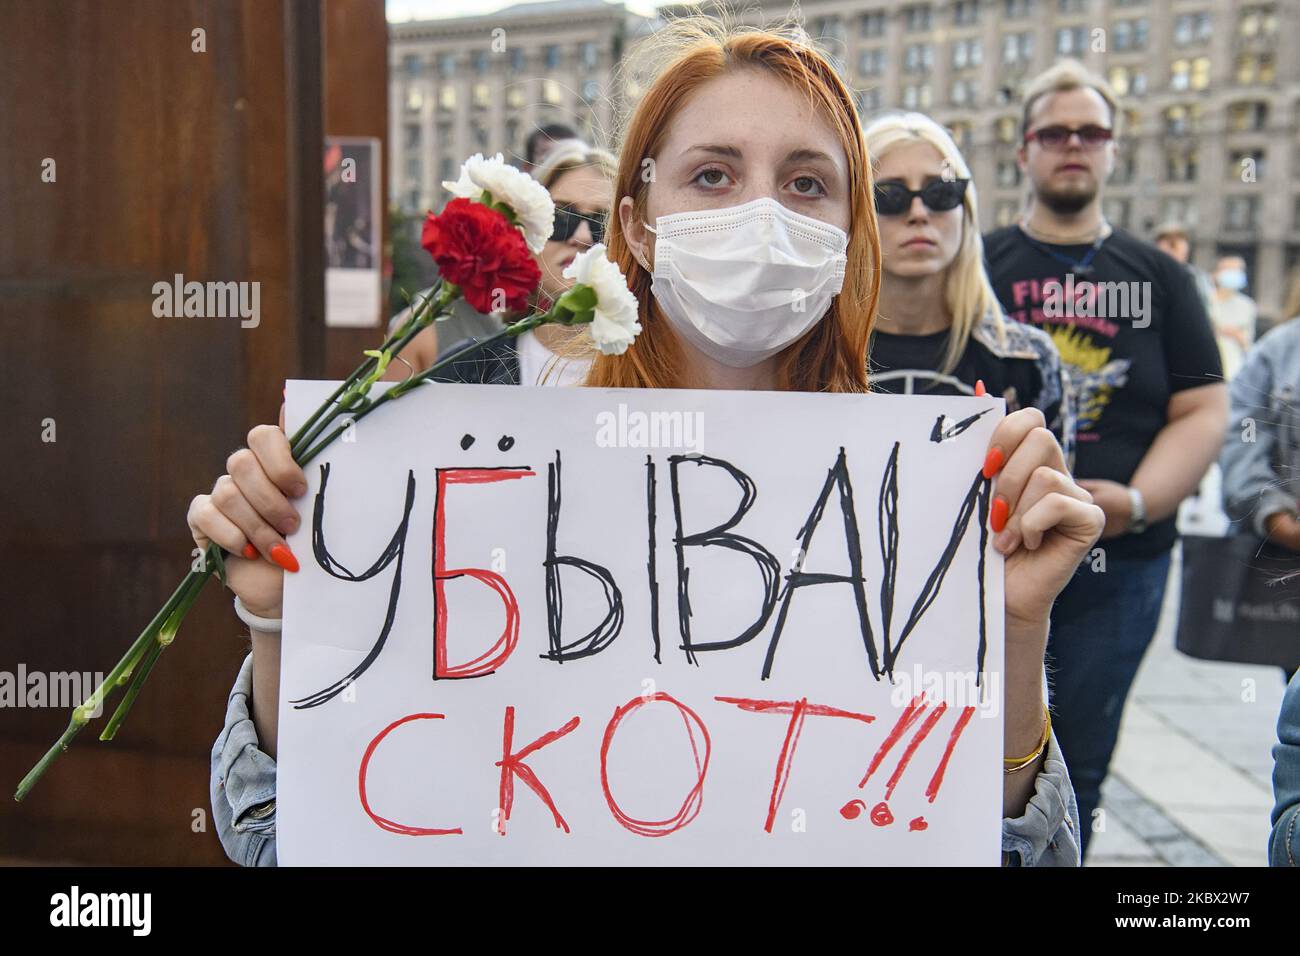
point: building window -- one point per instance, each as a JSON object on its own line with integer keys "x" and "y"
{"x": 1180, "y": 165}
{"x": 917, "y": 96}
{"x": 871, "y": 62}
{"x": 479, "y": 61}
{"x": 1191, "y": 28}
{"x": 965, "y": 92}
{"x": 1072, "y": 6}
{"x": 412, "y": 136}
{"x": 961, "y": 134}
{"x": 482, "y": 96}
{"x": 447, "y": 98}
{"x": 1005, "y": 129}
{"x": 1128, "y": 80}
{"x": 551, "y": 56}
{"x": 1182, "y": 119}
{"x": 1129, "y": 34}
{"x": 1257, "y": 21}
{"x": 515, "y": 96}
{"x": 413, "y": 171}
{"x": 1005, "y": 212}
{"x": 869, "y": 102}
{"x": 1017, "y": 48}
{"x": 1255, "y": 68}
{"x": 1240, "y": 212}
{"x": 965, "y": 13}
{"x": 1015, "y": 9}
{"x": 414, "y": 99}
{"x": 1246, "y": 165}
{"x": 551, "y": 92}
{"x": 917, "y": 18}
{"x": 1178, "y": 209}
{"x": 918, "y": 58}
{"x": 518, "y": 60}
{"x": 1008, "y": 173}
{"x": 1243, "y": 117}
{"x": 1125, "y": 168}
{"x": 588, "y": 55}
{"x": 447, "y": 65}
{"x": 1071, "y": 41}
{"x": 411, "y": 63}
{"x": 967, "y": 53}
{"x": 590, "y": 91}
{"x": 871, "y": 25}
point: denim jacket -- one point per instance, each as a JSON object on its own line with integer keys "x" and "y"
{"x": 1284, "y": 841}
{"x": 1260, "y": 475}
{"x": 243, "y": 797}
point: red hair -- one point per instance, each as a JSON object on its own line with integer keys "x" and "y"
{"x": 832, "y": 357}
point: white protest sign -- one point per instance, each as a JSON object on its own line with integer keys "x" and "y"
{"x": 594, "y": 626}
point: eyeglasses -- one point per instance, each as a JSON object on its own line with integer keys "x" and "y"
{"x": 939, "y": 195}
{"x": 1055, "y": 137}
{"x": 568, "y": 219}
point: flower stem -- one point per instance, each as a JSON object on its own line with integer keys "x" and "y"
{"x": 81, "y": 715}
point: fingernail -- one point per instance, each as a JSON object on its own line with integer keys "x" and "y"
{"x": 998, "y": 512}
{"x": 250, "y": 552}
{"x": 992, "y": 462}
{"x": 282, "y": 556}
{"x": 979, "y": 387}
{"x": 1003, "y": 541}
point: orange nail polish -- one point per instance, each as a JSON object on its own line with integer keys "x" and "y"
{"x": 250, "y": 552}
{"x": 979, "y": 388}
{"x": 282, "y": 556}
{"x": 992, "y": 462}
{"x": 998, "y": 513}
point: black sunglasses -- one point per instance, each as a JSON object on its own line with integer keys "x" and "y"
{"x": 1055, "y": 137}
{"x": 567, "y": 221}
{"x": 939, "y": 195}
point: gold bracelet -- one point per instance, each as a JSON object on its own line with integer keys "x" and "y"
{"x": 1013, "y": 764}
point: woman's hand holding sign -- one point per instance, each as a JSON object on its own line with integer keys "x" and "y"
{"x": 1044, "y": 524}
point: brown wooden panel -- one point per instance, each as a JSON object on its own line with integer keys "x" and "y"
{"x": 168, "y": 161}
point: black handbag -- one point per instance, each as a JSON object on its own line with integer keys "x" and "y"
{"x": 1240, "y": 601}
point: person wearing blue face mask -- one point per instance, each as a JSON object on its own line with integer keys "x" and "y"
{"x": 1233, "y": 312}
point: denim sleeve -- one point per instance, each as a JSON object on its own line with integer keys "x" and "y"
{"x": 1250, "y": 486}
{"x": 1284, "y": 841}
{"x": 243, "y": 782}
{"x": 1047, "y": 834}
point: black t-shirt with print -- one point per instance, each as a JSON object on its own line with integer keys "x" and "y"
{"x": 1131, "y": 331}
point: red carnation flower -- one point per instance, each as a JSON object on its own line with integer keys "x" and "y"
{"x": 481, "y": 252}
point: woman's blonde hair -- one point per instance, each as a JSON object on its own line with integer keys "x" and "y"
{"x": 669, "y": 66}
{"x": 968, "y": 294}
{"x": 572, "y": 154}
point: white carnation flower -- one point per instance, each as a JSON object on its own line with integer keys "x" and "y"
{"x": 531, "y": 203}
{"x": 615, "y": 324}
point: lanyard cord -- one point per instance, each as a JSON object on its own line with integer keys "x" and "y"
{"x": 1082, "y": 266}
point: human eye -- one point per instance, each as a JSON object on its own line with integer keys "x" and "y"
{"x": 808, "y": 186}
{"x": 711, "y": 177}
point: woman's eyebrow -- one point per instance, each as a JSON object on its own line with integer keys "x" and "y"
{"x": 730, "y": 152}
{"x": 809, "y": 156}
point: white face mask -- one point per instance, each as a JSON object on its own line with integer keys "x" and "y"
{"x": 742, "y": 283}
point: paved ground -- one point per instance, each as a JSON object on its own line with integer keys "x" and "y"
{"x": 1191, "y": 781}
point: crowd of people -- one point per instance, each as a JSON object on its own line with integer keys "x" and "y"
{"x": 1113, "y": 355}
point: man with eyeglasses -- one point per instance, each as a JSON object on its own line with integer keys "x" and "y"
{"x": 1151, "y": 406}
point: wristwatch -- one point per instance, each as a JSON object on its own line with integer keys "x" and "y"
{"x": 1137, "y": 515}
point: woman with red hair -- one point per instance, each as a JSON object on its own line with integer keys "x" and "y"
{"x": 744, "y": 222}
